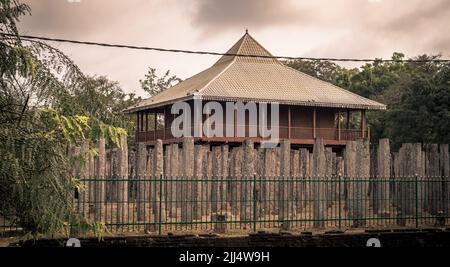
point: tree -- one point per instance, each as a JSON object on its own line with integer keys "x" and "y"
{"x": 416, "y": 94}
{"x": 153, "y": 85}
{"x": 40, "y": 116}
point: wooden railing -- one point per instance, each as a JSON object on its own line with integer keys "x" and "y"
{"x": 295, "y": 133}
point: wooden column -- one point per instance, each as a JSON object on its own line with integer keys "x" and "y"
{"x": 289, "y": 122}
{"x": 137, "y": 122}
{"x": 235, "y": 124}
{"x": 339, "y": 125}
{"x": 146, "y": 121}
{"x": 142, "y": 121}
{"x": 314, "y": 124}
{"x": 154, "y": 125}
{"x": 164, "y": 126}
{"x": 348, "y": 119}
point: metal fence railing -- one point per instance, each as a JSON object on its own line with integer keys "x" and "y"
{"x": 238, "y": 205}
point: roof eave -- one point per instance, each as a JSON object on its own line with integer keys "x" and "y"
{"x": 155, "y": 105}
{"x": 284, "y": 102}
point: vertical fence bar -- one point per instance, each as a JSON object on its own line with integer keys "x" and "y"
{"x": 339, "y": 201}
{"x": 254, "y": 203}
{"x": 160, "y": 204}
{"x": 417, "y": 199}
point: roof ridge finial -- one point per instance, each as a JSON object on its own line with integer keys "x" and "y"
{"x": 246, "y": 31}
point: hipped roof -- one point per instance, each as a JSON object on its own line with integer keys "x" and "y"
{"x": 236, "y": 78}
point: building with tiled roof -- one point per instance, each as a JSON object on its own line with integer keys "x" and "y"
{"x": 309, "y": 107}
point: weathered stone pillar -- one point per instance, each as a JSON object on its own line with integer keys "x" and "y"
{"x": 197, "y": 184}
{"x": 318, "y": 185}
{"x": 444, "y": 166}
{"x": 359, "y": 185}
{"x": 433, "y": 195}
{"x": 206, "y": 185}
{"x": 268, "y": 185}
{"x": 91, "y": 183}
{"x": 113, "y": 184}
{"x": 236, "y": 176}
{"x": 122, "y": 197}
{"x": 216, "y": 178}
{"x": 100, "y": 186}
{"x": 349, "y": 172}
{"x": 334, "y": 179}
{"x": 381, "y": 186}
{"x": 418, "y": 172}
{"x": 173, "y": 184}
{"x": 296, "y": 180}
{"x": 188, "y": 173}
{"x": 83, "y": 195}
{"x": 340, "y": 170}
{"x": 224, "y": 178}
{"x": 395, "y": 181}
{"x": 248, "y": 172}
{"x": 158, "y": 167}
{"x": 284, "y": 202}
{"x": 150, "y": 173}
{"x": 303, "y": 197}
{"x": 143, "y": 185}
{"x": 328, "y": 177}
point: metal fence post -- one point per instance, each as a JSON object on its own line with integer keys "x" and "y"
{"x": 254, "y": 202}
{"x": 160, "y": 204}
{"x": 339, "y": 201}
{"x": 417, "y": 199}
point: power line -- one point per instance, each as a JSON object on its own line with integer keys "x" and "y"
{"x": 31, "y": 38}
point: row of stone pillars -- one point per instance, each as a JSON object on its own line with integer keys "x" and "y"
{"x": 194, "y": 181}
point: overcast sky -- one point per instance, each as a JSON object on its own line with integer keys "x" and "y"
{"x": 319, "y": 28}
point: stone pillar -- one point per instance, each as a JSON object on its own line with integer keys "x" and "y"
{"x": 277, "y": 175}
{"x": 328, "y": 177}
{"x": 248, "y": 171}
{"x": 339, "y": 175}
{"x": 143, "y": 185}
{"x": 359, "y": 186}
{"x": 433, "y": 195}
{"x": 153, "y": 180}
{"x": 303, "y": 186}
{"x": 224, "y": 178}
{"x": 216, "y": 178}
{"x": 349, "y": 172}
{"x": 158, "y": 196}
{"x": 444, "y": 170}
{"x": 188, "y": 173}
{"x": 236, "y": 176}
{"x": 318, "y": 185}
{"x": 381, "y": 186}
{"x": 396, "y": 178}
{"x": 284, "y": 202}
{"x": 409, "y": 163}
{"x": 173, "y": 177}
{"x": 100, "y": 186}
{"x": 83, "y": 195}
{"x": 418, "y": 172}
{"x": 210, "y": 178}
{"x": 296, "y": 180}
{"x": 206, "y": 185}
{"x": 197, "y": 184}
{"x": 268, "y": 185}
{"x": 122, "y": 197}
{"x": 91, "y": 183}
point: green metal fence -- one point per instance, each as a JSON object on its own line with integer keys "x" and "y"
{"x": 238, "y": 205}
{"x": 245, "y": 204}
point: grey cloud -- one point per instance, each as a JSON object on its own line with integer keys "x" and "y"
{"x": 217, "y": 15}
{"x": 74, "y": 18}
